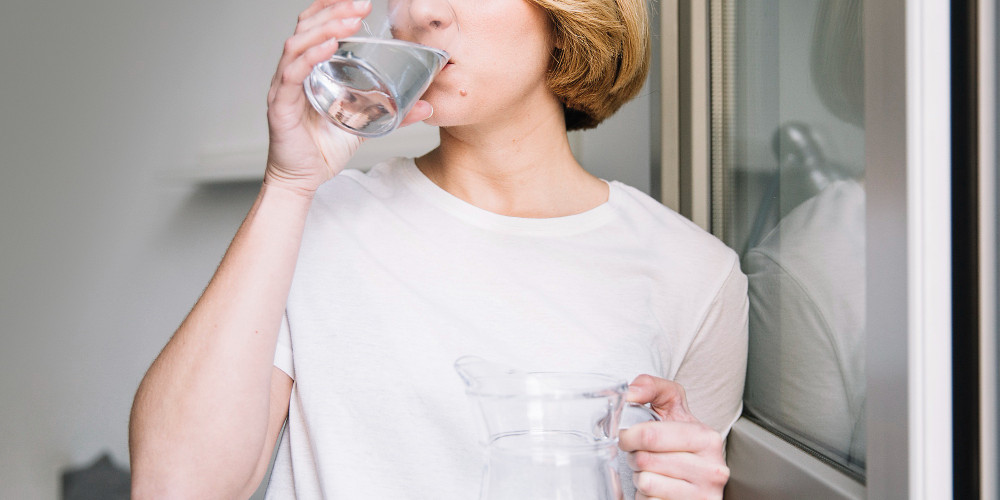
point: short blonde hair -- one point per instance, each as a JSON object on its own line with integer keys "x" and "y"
{"x": 601, "y": 57}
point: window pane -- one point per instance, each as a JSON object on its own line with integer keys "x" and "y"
{"x": 788, "y": 170}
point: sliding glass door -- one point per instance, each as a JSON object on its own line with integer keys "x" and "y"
{"x": 815, "y": 138}
{"x": 788, "y": 165}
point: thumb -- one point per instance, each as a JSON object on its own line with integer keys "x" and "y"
{"x": 421, "y": 111}
{"x": 666, "y": 397}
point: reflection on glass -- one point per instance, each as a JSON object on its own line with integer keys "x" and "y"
{"x": 794, "y": 204}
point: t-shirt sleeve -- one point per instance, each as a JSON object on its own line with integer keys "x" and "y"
{"x": 283, "y": 350}
{"x": 713, "y": 371}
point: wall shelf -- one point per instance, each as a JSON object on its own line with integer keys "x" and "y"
{"x": 247, "y": 164}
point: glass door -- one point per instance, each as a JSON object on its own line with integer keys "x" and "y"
{"x": 816, "y": 142}
{"x": 788, "y": 171}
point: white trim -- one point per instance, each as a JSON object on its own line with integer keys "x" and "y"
{"x": 988, "y": 249}
{"x": 670, "y": 111}
{"x": 694, "y": 128}
{"x": 700, "y": 126}
{"x": 929, "y": 243}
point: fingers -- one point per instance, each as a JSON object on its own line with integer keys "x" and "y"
{"x": 339, "y": 9}
{"x": 691, "y": 437}
{"x": 339, "y": 22}
{"x": 315, "y": 41}
{"x": 677, "y": 475}
{"x": 655, "y": 486}
{"x": 665, "y": 396}
{"x": 291, "y": 76}
{"x": 322, "y": 22}
{"x": 317, "y": 6}
{"x": 679, "y": 457}
{"x": 679, "y": 465}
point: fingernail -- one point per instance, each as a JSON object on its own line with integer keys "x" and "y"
{"x": 351, "y": 20}
{"x": 361, "y": 4}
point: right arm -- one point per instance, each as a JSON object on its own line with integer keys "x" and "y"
{"x": 200, "y": 415}
{"x": 207, "y": 413}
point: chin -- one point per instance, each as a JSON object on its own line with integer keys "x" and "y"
{"x": 442, "y": 120}
{"x": 436, "y": 94}
{"x": 434, "y": 121}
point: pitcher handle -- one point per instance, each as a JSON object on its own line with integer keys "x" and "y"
{"x": 635, "y": 413}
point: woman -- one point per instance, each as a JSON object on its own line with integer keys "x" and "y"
{"x": 364, "y": 288}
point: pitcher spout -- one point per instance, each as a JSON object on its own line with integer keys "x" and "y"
{"x": 474, "y": 369}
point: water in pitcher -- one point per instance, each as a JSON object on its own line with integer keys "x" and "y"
{"x": 551, "y": 465}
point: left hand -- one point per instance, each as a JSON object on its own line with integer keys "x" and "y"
{"x": 678, "y": 458}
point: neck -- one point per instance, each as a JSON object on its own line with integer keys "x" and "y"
{"x": 522, "y": 168}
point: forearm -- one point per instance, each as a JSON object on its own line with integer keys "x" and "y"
{"x": 200, "y": 415}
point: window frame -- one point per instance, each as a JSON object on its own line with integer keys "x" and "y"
{"x": 909, "y": 424}
{"x": 989, "y": 254}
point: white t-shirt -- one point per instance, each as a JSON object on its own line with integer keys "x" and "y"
{"x": 397, "y": 278}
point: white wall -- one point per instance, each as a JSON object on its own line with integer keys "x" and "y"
{"x": 103, "y": 254}
{"x": 619, "y": 148}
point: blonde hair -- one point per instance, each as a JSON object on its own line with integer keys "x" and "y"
{"x": 601, "y": 57}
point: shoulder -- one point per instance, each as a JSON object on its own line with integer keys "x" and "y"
{"x": 353, "y": 192}
{"x": 355, "y": 198}
{"x": 380, "y": 181}
{"x": 685, "y": 246}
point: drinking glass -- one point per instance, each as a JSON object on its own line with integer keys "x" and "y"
{"x": 373, "y": 80}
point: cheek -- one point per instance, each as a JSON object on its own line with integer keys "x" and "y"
{"x": 495, "y": 67}
{"x": 521, "y": 60}
{"x": 511, "y": 40}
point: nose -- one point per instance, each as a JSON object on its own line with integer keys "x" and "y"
{"x": 429, "y": 22}
{"x": 431, "y": 15}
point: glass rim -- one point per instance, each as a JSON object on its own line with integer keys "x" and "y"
{"x": 394, "y": 41}
{"x": 557, "y": 385}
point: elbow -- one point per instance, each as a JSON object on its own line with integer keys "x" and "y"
{"x": 162, "y": 482}
{"x": 145, "y": 487}
{"x": 184, "y": 479}
{"x": 174, "y": 487}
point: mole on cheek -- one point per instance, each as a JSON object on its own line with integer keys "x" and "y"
{"x": 462, "y": 92}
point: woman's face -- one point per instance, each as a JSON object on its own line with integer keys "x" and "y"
{"x": 498, "y": 65}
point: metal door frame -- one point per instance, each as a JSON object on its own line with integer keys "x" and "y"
{"x": 907, "y": 88}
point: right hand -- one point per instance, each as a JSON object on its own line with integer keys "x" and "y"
{"x": 305, "y": 148}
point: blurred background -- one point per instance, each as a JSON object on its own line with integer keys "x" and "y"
{"x": 132, "y": 137}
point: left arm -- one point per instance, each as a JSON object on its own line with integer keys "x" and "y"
{"x": 684, "y": 456}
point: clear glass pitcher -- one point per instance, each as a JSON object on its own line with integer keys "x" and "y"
{"x": 549, "y": 435}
